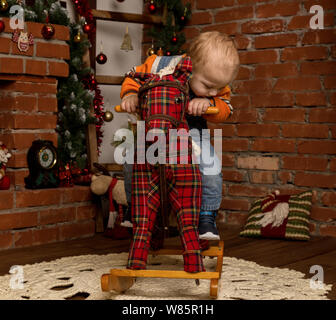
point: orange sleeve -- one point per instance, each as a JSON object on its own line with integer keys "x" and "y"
{"x": 222, "y": 102}
{"x": 129, "y": 86}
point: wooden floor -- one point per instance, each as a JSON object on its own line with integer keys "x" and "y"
{"x": 294, "y": 255}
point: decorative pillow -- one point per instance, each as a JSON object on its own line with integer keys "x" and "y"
{"x": 280, "y": 216}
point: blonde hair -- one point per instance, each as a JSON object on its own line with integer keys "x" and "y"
{"x": 214, "y": 47}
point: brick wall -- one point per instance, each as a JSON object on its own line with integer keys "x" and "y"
{"x": 282, "y": 134}
{"x": 28, "y": 111}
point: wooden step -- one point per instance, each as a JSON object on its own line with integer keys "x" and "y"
{"x": 110, "y": 80}
{"x": 126, "y": 17}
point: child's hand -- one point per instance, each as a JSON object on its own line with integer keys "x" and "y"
{"x": 198, "y": 106}
{"x": 129, "y": 103}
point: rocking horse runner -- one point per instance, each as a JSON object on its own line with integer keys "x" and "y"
{"x": 163, "y": 100}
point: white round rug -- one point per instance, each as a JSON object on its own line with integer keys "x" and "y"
{"x": 67, "y": 277}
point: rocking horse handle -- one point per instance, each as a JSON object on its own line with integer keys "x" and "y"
{"x": 210, "y": 110}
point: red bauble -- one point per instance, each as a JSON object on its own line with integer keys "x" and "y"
{"x": 87, "y": 28}
{"x": 152, "y": 7}
{"x": 2, "y": 26}
{"x": 168, "y": 53}
{"x": 174, "y": 39}
{"x": 47, "y": 31}
{"x": 101, "y": 58}
{"x": 5, "y": 183}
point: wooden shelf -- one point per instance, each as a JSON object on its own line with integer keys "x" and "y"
{"x": 112, "y": 166}
{"x": 126, "y": 17}
{"x": 112, "y": 80}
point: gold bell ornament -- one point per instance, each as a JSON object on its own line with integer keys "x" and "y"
{"x": 3, "y": 5}
{"x": 127, "y": 42}
{"x": 78, "y": 37}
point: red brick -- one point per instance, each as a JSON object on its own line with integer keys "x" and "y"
{"x": 325, "y": 4}
{"x": 5, "y": 44}
{"x": 330, "y": 83}
{"x": 304, "y": 53}
{"x": 59, "y": 69}
{"x": 241, "y": 42}
{"x": 243, "y": 73}
{"x": 57, "y": 215}
{"x": 17, "y": 140}
{"x": 276, "y": 70}
{"x": 34, "y": 198}
{"x": 332, "y": 98}
{"x": 257, "y": 130}
{"x": 228, "y": 160}
{"x": 205, "y": 4}
{"x": 232, "y": 175}
{"x": 277, "y": 99}
{"x": 277, "y": 9}
{"x": 236, "y": 218}
{"x": 261, "y": 177}
{"x": 49, "y": 50}
{"x": 18, "y": 160}
{"x": 305, "y": 131}
{"x": 284, "y": 115}
{"x": 327, "y": 230}
{"x": 235, "y": 204}
{"x": 317, "y": 147}
{"x": 318, "y": 67}
{"x": 235, "y": 145}
{"x": 23, "y": 121}
{"x": 15, "y": 50}
{"x": 23, "y": 238}
{"x": 333, "y": 164}
{"x": 262, "y": 26}
{"x": 45, "y": 235}
{"x": 322, "y": 115}
{"x": 329, "y": 199}
{"x": 11, "y": 65}
{"x": 315, "y": 180}
{"x": 85, "y": 212}
{"x": 200, "y": 18}
{"x": 6, "y": 199}
{"x": 47, "y": 103}
{"x": 273, "y": 145}
{"x": 251, "y": 86}
{"x": 285, "y": 177}
{"x": 276, "y": 41}
{"x": 228, "y": 130}
{"x": 17, "y": 177}
{"x": 36, "y": 67}
{"x": 304, "y": 163}
{"x": 77, "y": 230}
{"x": 53, "y": 137}
{"x": 234, "y": 14}
{"x": 18, "y": 220}
{"x": 247, "y": 191}
{"x": 240, "y": 102}
{"x": 260, "y": 56}
{"x": 319, "y": 36}
{"x": 231, "y": 28}
{"x": 298, "y": 84}
{"x": 258, "y": 162}
{"x": 6, "y": 240}
{"x": 311, "y": 99}
{"x": 77, "y": 194}
{"x": 323, "y": 214}
{"x": 28, "y": 87}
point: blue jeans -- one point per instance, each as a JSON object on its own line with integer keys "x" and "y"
{"x": 210, "y": 167}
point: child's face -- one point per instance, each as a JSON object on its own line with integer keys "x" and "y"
{"x": 209, "y": 81}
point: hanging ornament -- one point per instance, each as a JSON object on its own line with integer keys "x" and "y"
{"x": 174, "y": 38}
{"x": 150, "y": 50}
{"x": 127, "y": 42}
{"x": 87, "y": 28}
{"x": 48, "y": 31}
{"x": 23, "y": 40}
{"x": 168, "y": 53}
{"x": 2, "y": 26}
{"x": 108, "y": 116}
{"x": 184, "y": 17}
{"x": 160, "y": 52}
{"x": 101, "y": 58}
{"x": 78, "y": 37}
{"x": 151, "y": 7}
{"x": 3, "y": 5}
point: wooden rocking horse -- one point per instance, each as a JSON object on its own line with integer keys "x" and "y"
{"x": 163, "y": 100}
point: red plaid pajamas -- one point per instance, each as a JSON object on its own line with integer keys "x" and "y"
{"x": 183, "y": 180}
